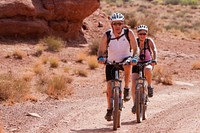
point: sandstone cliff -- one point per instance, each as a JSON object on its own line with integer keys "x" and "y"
{"x": 36, "y": 18}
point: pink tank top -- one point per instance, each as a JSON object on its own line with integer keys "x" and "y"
{"x": 145, "y": 51}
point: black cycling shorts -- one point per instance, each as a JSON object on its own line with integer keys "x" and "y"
{"x": 135, "y": 69}
{"x": 110, "y": 72}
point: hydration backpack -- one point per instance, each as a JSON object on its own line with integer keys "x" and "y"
{"x": 126, "y": 31}
{"x": 146, "y": 46}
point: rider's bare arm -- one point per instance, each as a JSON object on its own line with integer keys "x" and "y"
{"x": 102, "y": 46}
{"x": 153, "y": 48}
{"x": 133, "y": 43}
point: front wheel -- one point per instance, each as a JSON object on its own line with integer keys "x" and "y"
{"x": 139, "y": 107}
{"x": 116, "y": 110}
{"x": 144, "y": 106}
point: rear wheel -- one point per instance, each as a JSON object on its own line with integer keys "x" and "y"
{"x": 139, "y": 107}
{"x": 116, "y": 110}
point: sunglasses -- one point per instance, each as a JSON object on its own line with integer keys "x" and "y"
{"x": 142, "y": 34}
{"x": 117, "y": 23}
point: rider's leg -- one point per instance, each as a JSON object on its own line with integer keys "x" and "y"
{"x": 148, "y": 75}
{"x": 108, "y": 115}
{"x": 127, "y": 71}
{"x": 109, "y": 76}
{"x": 109, "y": 93}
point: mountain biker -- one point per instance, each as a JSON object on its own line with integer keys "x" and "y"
{"x": 148, "y": 52}
{"x": 118, "y": 49}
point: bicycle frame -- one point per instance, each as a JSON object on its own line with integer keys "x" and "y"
{"x": 116, "y": 98}
{"x": 141, "y": 96}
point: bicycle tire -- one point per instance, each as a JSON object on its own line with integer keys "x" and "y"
{"x": 116, "y": 111}
{"x": 145, "y": 98}
{"x": 139, "y": 108}
{"x": 144, "y": 106}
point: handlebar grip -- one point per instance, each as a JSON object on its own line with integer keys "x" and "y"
{"x": 134, "y": 60}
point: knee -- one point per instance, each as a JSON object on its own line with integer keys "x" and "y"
{"x": 148, "y": 71}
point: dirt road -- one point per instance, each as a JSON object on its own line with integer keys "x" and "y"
{"x": 173, "y": 109}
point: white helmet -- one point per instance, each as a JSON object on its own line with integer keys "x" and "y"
{"x": 116, "y": 17}
{"x": 142, "y": 27}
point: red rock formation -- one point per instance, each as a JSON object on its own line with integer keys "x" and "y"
{"x": 36, "y": 18}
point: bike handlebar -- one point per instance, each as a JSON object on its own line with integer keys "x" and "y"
{"x": 146, "y": 63}
{"x": 125, "y": 62}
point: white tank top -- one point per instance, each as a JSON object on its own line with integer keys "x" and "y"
{"x": 118, "y": 49}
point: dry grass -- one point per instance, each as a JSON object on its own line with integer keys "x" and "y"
{"x": 53, "y": 43}
{"x": 181, "y": 2}
{"x": 58, "y": 86}
{"x": 150, "y": 21}
{"x": 130, "y": 19}
{"x": 19, "y": 54}
{"x": 39, "y": 51}
{"x": 44, "y": 59}
{"x": 31, "y": 98}
{"x": 13, "y": 89}
{"x": 54, "y": 62}
{"x": 81, "y": 72}
{"x": 38, "y": 68}
{"x": 66, "y": 69}
{"x": 160, "y": 75}
{"x": 195, "y": 35}
{"x": 41, "y": 83}
{"x": 92, "y": 62}
{"x": 196, "y": 65}
{"x": 81, "y": 57}
{"x": 28, "y": 76}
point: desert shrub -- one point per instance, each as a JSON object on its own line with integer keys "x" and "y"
{"x": 44, "y": 60}
{"x": 12, "y": 88}
{"x": 58, "y": 86}
{"x": 113, "y": 2}
{"x": 175, "y": 26}
{"x": 92, "y": 62}
{"x": 160, "y": 75}
{"x": 42, "y": 82}
{"x": 53, "y": 43}
{"x": 53, "y": 62}
{"x": 66, "y": 69}
{"x": 38, "y": 68}
{"x": 130, "y": 19}
{"x": 181, "y": 2}
{"x": 150, "y": 21}
{"x": 81, "y": 57}
{"x": 94, "y": 46}
{"x": 18, "y": 54}
{"x": 81, "y": 72}
{"x": 196, "y": 65}
{"x": 39, "y": 51}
